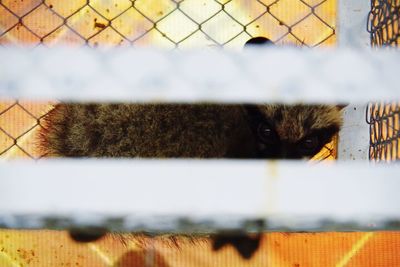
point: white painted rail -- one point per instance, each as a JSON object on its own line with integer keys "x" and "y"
{"x": 160, "y": 195}
{"x": 266, "y": 75}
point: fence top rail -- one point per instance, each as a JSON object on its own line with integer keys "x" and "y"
{"x": 141, "y": 75}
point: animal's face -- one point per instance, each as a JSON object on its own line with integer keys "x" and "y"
{"x": 293, "y": 132}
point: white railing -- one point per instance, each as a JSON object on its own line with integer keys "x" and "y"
{"x": 269, "y": 75}
{"x": 200, "y": 195}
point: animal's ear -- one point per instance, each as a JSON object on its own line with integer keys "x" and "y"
{"x": 252, "y": 111}
{"x": 258, "y": 42}
{"x": 341, "y": 106}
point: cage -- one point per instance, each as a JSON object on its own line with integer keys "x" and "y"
{"x": 190, "y": 24}
{"x": 382, "y": 117}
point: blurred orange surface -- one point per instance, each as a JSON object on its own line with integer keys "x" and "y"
{"x": 55, "y": 248}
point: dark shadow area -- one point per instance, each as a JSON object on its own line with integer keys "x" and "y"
{"x": 141, "y": 258}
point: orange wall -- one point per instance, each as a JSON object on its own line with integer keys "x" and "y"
{"x": 54, "y": 248}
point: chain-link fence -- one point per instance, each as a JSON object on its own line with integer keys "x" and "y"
{"x": 384, "y": 23}
{"x": 383, "y": 118}
{"x": 170, "y": 23}
{"x": 384, "y": 121}
{"x": 162, "y": 23}
{"x": 19, "y": 122}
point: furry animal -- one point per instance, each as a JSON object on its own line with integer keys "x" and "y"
{"x": 259, "y": 41}
{"x": 188, "y": 130}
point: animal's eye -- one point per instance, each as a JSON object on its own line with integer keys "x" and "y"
{"x": 266, "y": 133}
{"x": 309, "y": 144}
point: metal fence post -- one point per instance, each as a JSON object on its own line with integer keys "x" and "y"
{"x": 352, "y": 33}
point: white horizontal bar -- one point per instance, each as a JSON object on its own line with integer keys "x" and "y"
{"x": 260, "y": 75}
{"x": 158, "y": 194}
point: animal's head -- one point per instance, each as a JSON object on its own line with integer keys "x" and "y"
{"x": 293, "y": 132}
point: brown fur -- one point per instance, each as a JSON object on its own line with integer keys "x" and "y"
{"x": 292, "y": 123}
{"x": 172, "y": 130}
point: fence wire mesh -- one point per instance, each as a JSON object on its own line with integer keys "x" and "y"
{"x": 384, "y": 121}
{"x": 383, "y": 118}
{"x": 170, "y": 23}
{"x": 162, "y": 23}
{"x": 384, "y": 23}
{"x": 19, "y": 122}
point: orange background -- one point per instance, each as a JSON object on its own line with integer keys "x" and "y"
{"x": 54, "y": 248}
